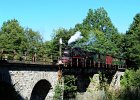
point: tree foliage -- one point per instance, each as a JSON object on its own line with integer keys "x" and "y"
{"x": 130, "y": 83}
{"x": 99, "y": 33}
{"x": 60, "y": 33}
{"x": 58, "y": 92}
{"x": 34, "y": 41}
{"x": 12, "y": 36}
{"x": 133, "y": 40}
{"x": 16, "y": 40}
{"x": 69, "y": 86}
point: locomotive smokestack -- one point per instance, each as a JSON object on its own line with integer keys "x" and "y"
{"x": 75, "y": 37}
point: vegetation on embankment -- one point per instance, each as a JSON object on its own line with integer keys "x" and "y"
{"x": 129, "y": 90}
{"x": 67, "y": 89}
{"x": 130, "y": 85}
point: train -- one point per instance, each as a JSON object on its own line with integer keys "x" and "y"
{"x": 77, "y": 57}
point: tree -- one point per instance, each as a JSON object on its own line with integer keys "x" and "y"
{"x": 69, "y": 86}
{"x": 34, "y": 44}
{"x": 12, "y": 37}
{"x": 133, "y": 40}
{"x": 60, "y": 33}
{"x": 44, "y": 52}
{"x": 58, "y": 92}
{"x": 99, "y": 33}
{"x": 130, "y": 84}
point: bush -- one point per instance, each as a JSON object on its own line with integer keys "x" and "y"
{"x": 10, "y": 57}
{"x": 130, "y": 84}
{"x": 69, "y": 86}
{"x": 58, "y": 92}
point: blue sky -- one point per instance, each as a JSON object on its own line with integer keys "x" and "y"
{"x": 48, "y": 15}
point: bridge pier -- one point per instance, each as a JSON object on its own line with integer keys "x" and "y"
{"x": 92, "y": 91}
{"x": 94, "y": 83}
{"x": 115, "y": 83}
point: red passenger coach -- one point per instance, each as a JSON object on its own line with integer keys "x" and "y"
{"x": 108, "y": 60}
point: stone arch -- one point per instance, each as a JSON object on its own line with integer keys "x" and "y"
{"x": 40, "y": 90}
{"x": 8, "y": 92}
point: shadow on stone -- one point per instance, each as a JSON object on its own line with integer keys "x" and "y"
{"x": 7, "y": 90}
{"x": 83, "y": 82}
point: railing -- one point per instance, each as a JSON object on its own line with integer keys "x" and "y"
{"x": 79, "y": 62}
{"x": 28, "y": 59}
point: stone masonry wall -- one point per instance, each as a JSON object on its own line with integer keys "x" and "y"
{"x": 24, "y": 81}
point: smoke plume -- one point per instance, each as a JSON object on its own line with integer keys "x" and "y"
{"x": 75, "y": 37}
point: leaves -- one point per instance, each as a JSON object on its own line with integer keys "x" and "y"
{"x": 14, "y": 39}
{"x": 133, "y": 40}
{"x": 12, "y": 36}
{"x": 99, "y": 34}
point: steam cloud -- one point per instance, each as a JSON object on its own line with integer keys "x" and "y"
{"x": 75, "y": 37}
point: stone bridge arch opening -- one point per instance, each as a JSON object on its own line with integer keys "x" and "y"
{"x": 40, "y": 90}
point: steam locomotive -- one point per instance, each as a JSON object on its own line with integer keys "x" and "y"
{"x": 77, "y": 57}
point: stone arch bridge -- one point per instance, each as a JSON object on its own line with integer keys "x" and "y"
{"x": 29, "y": 81}
{"x": 38, "y": 81}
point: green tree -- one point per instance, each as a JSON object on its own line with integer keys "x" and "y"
{"x": 133, "y": 40}
{"x": 69, "y": 86}
{"x": 99, "y": 33}
{"x": 12, "y": 37}
{"x": 130, "y": 84}
{"x": 60, "y": 33}
{"x": 102, "y": 44}
{"x": 44, "y": 52}
{"x": 34, "y": 44}
{"x": 58, "y": 92}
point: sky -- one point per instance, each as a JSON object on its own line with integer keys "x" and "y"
{"x": 46, "y": 16}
